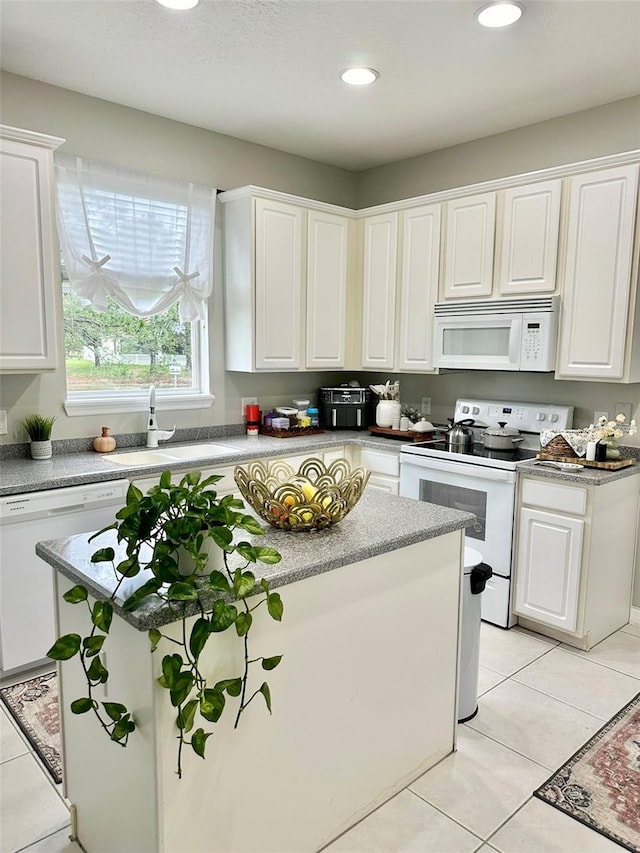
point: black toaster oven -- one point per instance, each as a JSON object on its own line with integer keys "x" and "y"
{"x": 345, "y": 407}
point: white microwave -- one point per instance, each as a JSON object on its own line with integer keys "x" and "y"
{"x": 509, "y": 334}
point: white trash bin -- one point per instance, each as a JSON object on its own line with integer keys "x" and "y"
{"x": 476, "y": 575}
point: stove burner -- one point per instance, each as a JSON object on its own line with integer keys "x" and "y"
{"x": 478, "y": 451}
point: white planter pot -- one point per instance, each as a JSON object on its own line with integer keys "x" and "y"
{"x": 386, "y": 411}
{"x": 216, "y": 559}
{"x": 41, "y": 449}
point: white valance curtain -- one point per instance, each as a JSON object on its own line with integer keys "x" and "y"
{"x": 144, "y": 242}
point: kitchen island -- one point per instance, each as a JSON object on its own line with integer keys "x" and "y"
{"x": 364, "y": 700}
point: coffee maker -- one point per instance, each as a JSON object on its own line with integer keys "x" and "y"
{"x": 345, "y": 407}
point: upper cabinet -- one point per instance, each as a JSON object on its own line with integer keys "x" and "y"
{"x": 531, "y": 221}
{"x": 596, "y": 328}
{"x": 379, "y": 291}
{"x": 29, "y": 266}
{"x": 469, "y": 243}
{"x": 285, "y": 283}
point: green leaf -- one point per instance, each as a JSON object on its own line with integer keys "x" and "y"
{"x": 134, "y": 494}
{"x": 243, "y": 623}
{"x": 222, "y": 536}
{"x": 113, "y": 526}
{"x": 76, "y": 594}
{"x": 222, "y": 616}
{"x": 233, "y": 686}
{"x": 165, "y": 480}
{"x": 248, "y": 523}
{"x": 218, "y": 581}
{"x": 102, "y": 614}
{"x": 97, "y": 673}
{"x": 81, "y": 706}
{"x": 186, "y": 715}
{"x": 247, "y": 551}
{"x": 212, "y": 704}
{"x": 267, "y": 694}
{"x": 129, "y": 568}
{"x": 199, "y": 740}
{"x": 115, "y": 710}
{"x": 199, "y": 636}
{"x": 103, "y": 555}
{"x": 148, "y": 588}
{"x": 181, "y": 688}
{"x": 271, "y": 663}
{"x": 275, "y": 606}
{"x": 268, "y": 555}
{"x": 182, "y": 591}
{"x": 92, "y": 645}
{"x": 171, "y": 666}
{"x": 123, "y": 728}
{"x": 154, "y": 636}
{"x": 65, "y": 647}
{"x": 243, "y": 583}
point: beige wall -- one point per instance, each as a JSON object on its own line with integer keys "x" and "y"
{"x": 608, "y": 129}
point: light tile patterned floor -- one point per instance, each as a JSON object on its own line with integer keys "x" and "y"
{"x": 539, "y": 702}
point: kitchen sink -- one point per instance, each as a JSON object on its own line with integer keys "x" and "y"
{"x": 152, "y": 456}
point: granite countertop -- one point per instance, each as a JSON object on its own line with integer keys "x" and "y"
{"x": 18, "y": 476}
{"x": 379, "y": 523}
{"x": 585, "y": 476}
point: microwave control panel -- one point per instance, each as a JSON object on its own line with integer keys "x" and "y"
{"x": 538, "y": 341}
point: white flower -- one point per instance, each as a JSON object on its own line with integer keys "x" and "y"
{"x": 613, "y": 429}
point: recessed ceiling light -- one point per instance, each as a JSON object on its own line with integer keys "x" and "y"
{"x": 178, "y": 4}
{"x": 359, "y": 76}
{"x": 499, "y": 14}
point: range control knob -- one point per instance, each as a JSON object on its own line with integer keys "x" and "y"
{"x": 553, "y": 418}
{"x": 464, "y": 409}
{"x": 540, "y": 416}
{"x": 475, "y": 410}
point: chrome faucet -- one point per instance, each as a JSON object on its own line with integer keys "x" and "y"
{"x": 154, "y": 435}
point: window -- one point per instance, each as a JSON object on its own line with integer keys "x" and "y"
{"x": 137, "y": 261}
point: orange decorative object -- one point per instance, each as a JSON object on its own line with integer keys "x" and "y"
{"x": 104, "y": 443}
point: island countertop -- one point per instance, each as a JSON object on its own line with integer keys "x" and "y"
{"x": 379, "y": 523}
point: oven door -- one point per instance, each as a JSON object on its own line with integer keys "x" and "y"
{"x": 481, "y": 342}
{"x": 489, "y": 493}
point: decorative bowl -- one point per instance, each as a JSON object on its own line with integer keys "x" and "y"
{"x": 312, "y": 498}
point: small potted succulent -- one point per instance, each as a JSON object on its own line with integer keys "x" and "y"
{"x": 39, "y": 429}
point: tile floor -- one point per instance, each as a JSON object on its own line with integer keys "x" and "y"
{"x": 540, "y": 700}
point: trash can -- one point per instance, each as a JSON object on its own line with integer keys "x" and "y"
{"x": 476, "y": 575}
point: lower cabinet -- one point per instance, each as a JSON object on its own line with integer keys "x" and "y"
{"x": 574, "y": 557}
{"x": 384, "y": 466}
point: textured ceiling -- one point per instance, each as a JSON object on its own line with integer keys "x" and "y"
{"x": 267, "y": 70}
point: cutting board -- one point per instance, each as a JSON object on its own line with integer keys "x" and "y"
{"x": 609, "y": 465}
{"x": 401, "y": 434}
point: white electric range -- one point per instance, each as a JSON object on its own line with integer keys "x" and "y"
{"x": 483, "y": 482}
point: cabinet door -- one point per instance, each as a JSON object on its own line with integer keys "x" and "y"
{"x": 278, "y": 283}
{"x": 327, "y": 240}
{"x": 30, "y": 267}
{"x": 419, "y": 286}
{"x": 379, "y": 291}
{"x": 470, "y": 234}
{"x": 593, "y": 326}
{"x": 381, "y": 483}
{"x": 530, "y": 238}
{"x": 549, "y": 560}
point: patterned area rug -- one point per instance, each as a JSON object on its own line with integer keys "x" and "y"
{"x": 34, "y": 706}
{"x": 600, "y": 784}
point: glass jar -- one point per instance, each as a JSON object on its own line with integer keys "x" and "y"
{"x": 313, "y": 416}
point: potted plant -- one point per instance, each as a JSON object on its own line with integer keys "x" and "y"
{"x": 39, "y": 429}
{"x": 172, "y": 524}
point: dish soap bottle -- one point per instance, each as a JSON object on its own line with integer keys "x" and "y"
{"x": 104, "y": 443}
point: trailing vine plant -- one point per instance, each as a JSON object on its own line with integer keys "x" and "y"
{"x": 171, "y": 525}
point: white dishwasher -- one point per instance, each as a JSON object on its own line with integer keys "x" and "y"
{"x": 27, "y": 615}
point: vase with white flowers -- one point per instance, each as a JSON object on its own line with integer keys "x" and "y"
{"x": 609, "y": 432}
{"x": 388, "y": 408}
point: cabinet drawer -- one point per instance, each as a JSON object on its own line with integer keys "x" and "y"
{"x": 379, "y": 462}
{"x": 384, "y": 484}
{"x": 556, "y": 496}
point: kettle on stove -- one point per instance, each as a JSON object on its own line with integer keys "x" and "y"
{"x": 460, "y": 434}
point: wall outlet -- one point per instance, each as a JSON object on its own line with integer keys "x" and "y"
{"x": 598, "y": 415}
{"x": 425, "y": 407}
{"x": 247, "y": 401}
{"x": 3, "y": 422}
{"x": 623, "y": 409}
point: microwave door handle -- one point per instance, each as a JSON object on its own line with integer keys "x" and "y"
{"x": 515, "y": 339}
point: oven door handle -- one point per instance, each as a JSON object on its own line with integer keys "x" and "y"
{"x": 477, "y": 472}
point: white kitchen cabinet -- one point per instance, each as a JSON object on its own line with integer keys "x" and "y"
{"x": 531, "y": 222}
{"x": 327, "y": 266}
{"x": 384, "y": 466}
{"x": 379, "y": 291}
{"x": 596, "y": 332}
{"x": 285, "y": 281}
{"x": 470, "y": 236}
{"x": 574, "y": 557}
{"x": 29, "y": 267}
{"x": 419, "y": 286}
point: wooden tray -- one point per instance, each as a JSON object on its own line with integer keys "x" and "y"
{"x": 293, "y": 432}
{"x": 401, "y": 434}
{"x": 609, "y": 465}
